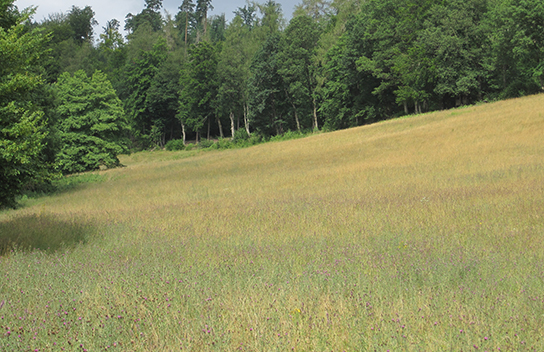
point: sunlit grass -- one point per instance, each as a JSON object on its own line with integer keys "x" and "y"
{"x": 418, "y": 234}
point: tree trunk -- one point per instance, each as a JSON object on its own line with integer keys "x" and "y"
{"x": 208, "y": 135}
{"x": 296, "y": 117}
{"x": 220, "y": 127}
{"x": 316, "y": 126}
{"x": 186, "y": 29}
{"x": 405, "y": 108}
{"x": 294, "y": 109}
{"x": 231, "y": 115}
{"x": 503, "y": 76}
{"x": 246, "y": 120}
{"x": 183, "y": 132}
{"x": 205, "y": 23}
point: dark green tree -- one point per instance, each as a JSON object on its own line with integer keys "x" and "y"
{"x": 453, "y": 45}
{"x": 9, "y": 14}
{"x": 516, "y": 32}
{"x": 298, "y": 67}
{"x": 71, "y": 46}
{"x": 201, "y": 13}
{"x": 186, "y": 18}
{"x": 82, "y": 21}
{"x": 113, "y": 53}
{"x": 111, "y": 39}
{"x": 163, "y": 97}
{"x": 199, "y": 85}
{"x": 233, "y": 71}
{"x": 347, "y": 93}
{"x": 92, "y": 123}
{"x": 23, "y": 126}
{"x": 317, "y": 10}
{"x": 272, "y": 17}
{"x": 248, "y": 14}
{"x": 218, "y": 26}
{"x": 150, "y": 14}
{"x": 268, "y": 102}
{"x": 140, "y": 77}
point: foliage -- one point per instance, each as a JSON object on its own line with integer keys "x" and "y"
{"x": 92, "y": 123}
{"x": 174, "y": 144}
{"x": 205, "y": 143}
{"x": 71, "y": 46}
{"x": 240, "y": 135}
{"x": 185, "y": 19}
{"x": 142, "y": 79}
{"x": 23, "y": 125}
{"x": 150, "y": 16}
{"x": 199, "y": 86}
{"x": 268, "y": 104}
{"x": 299, "y": 71}
{"x": 9, "y": 14}
{"x": 82, "y": 21}
{"x": 111, "y": 39}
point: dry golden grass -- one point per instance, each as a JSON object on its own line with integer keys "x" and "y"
{"x": 328, "y": 242}
{"x": 419, "y": 170}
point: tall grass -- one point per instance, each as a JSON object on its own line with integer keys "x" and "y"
{"x": 417, "y": 234}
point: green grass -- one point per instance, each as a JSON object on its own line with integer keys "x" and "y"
{"x": 416, "y": 234}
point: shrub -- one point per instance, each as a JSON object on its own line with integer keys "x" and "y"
{"x": 206, "y": 143}
{"x": 190, "y": 146}
{"x": 287, "y": 136}
{"x": 175, "y": 144}
{"x": 223, "y": 143}
{"x": 240, "y": 135}
{"x": 255, "y": 139}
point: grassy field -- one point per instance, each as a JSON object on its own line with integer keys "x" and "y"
{"x": 417, "y": 234}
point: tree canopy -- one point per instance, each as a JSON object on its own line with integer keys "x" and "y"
{"x": 334, "y": 64}
{"x": 23, "y": 124}
{"x": 92, "y": 122}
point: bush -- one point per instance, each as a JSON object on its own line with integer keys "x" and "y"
{"x": 175, "y": 144}
{"x": 206, "y": 143}
{"x": 255, "y": 139}
{"x": 287, "y": 136}
{"x": 223, "y": 143}
{"x": 240, "y": 135}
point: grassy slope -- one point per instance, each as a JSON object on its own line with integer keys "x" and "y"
{"x": 423, "y": 233}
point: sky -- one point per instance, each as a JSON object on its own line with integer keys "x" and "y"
{"x": 106, "y": 10}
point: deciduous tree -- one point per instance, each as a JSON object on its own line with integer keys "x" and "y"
{"x": 92, "y": 123}
{"x": 199, "y": 86}
{"x": 23, "y": 125}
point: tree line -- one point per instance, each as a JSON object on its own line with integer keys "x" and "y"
{"x": 71, "y": 99}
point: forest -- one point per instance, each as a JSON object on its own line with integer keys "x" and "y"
{"x": 72, "y": 99}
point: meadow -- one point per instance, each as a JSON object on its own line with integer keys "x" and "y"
{"x": 417, "y": 234}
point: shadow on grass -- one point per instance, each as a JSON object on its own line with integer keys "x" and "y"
{"x": 62, "y": 185}
{"x": 44, "y": 232}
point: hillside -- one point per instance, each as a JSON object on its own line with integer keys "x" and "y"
{"x": 420, "y": 233}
